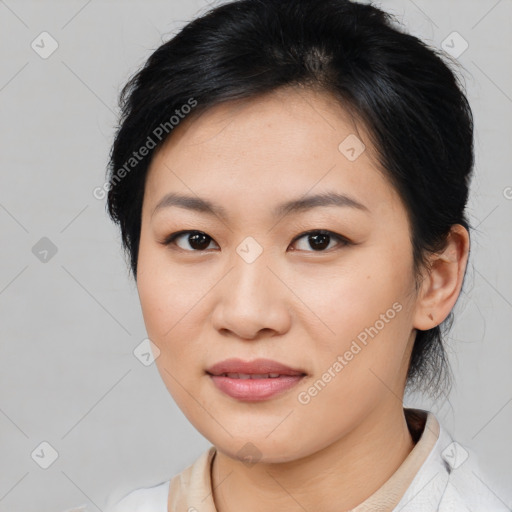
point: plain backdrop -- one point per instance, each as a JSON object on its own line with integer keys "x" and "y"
{"x": 70, "y": 316}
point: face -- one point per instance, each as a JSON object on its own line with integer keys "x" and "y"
{"x": 324, "y": 288}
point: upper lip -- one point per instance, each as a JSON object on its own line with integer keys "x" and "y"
{"x": 256, "y": 366}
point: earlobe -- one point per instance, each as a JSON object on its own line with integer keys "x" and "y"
{"x": 441, "y": 285}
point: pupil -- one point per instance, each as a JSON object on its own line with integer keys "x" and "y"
{"x": 324, "y": 241}
{"x": 198, "y": 241}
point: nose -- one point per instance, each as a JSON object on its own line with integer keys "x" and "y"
{"x": 252, "y": 300}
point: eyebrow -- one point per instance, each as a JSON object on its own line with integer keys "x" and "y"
{"x": 202, "y": 205}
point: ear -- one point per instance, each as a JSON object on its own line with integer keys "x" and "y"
{"x": 441, "y": 285}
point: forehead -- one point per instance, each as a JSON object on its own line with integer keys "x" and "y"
{"x": 290, "y": 111}
{"x": 287, "y": 142}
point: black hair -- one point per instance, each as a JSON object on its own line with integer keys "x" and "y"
{"x": 402, "y": 91}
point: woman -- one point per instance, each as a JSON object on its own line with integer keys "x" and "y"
{"x": 290, "y": 180}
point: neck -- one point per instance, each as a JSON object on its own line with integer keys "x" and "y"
{"x": 337, "y": 477}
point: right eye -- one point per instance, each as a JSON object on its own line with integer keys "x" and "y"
{"x": 197, "y": 240}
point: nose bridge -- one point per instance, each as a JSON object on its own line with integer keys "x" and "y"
{"x": 250, "y": 301}
{"x": 250, "y": 271}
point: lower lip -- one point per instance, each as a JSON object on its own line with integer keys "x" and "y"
{"x": 255, "y": 390}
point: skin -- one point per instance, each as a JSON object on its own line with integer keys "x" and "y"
{"x": 293, "y": 304}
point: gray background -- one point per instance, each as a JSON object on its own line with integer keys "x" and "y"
{"x": 69, "y": 325}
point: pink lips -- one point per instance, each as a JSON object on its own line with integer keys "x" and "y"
{"x": 248, "y": 386}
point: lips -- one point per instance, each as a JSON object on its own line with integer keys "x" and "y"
{"x": 256, "y": 369}
{"x": 251, "y": 375}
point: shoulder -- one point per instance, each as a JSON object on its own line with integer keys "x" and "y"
{"x": 468, "y": 487}
{"x": 193, "y": 481}
{"x": 145, "y": 499}
{"x": 451, "y": 480}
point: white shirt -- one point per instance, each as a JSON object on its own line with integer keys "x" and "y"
{"x": 439, "y": 475}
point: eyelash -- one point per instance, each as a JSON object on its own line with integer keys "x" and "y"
{"x": 342, "y": 241}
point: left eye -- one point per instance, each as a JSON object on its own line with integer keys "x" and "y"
{"x": 319, "y": 240}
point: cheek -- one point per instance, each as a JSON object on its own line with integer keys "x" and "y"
{"x": 343, "y": 301}
{"x": 168, "y": 312}
{"x": 160, "y": 296}
{"x": 363, "y": 314}
{"x": 163, "y": 293}
{"x": 174, "y": 307}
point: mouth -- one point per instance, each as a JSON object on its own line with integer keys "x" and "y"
{"x": 252, "y": 375}
{"x": 253, "y": 381}
{"x": 256, "y": 369}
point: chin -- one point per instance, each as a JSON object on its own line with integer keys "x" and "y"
{"x": 259, "y": 449}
